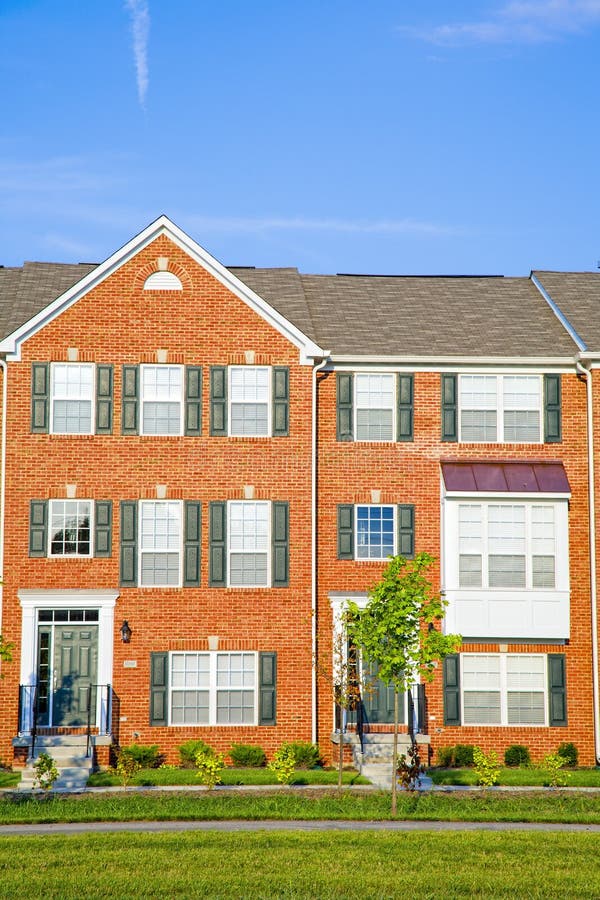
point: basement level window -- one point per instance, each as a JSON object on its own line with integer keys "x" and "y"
{"x": 163, "y": 281}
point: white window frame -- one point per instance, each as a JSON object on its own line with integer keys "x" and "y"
{"x": 213, "y": 688}
{"x": 92, "y": 399}
{"x": 357, "y": 408}
{"x": 142, "y": 551}
{"x": 381, "y": 506}
{"x": 144, "y": 368}
{"x": 268, "y": 552}
{"x": 92, "y": 505}
{"x": 504, "y": 723}
{"x": 499, "y": 407}
{"x": 269, "y": 403}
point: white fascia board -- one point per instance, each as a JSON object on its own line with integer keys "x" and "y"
{"x": 556, "y": 364}
{"x": 163, "y": 225}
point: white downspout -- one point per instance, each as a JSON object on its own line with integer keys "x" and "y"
{"x": 592, "y": 540}
{"x": 313, "y": 602}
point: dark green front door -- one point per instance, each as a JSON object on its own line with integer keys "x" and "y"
{"x": 67, "y": 673}
{"x": 378, "y": 698}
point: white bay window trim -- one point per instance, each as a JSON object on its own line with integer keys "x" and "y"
{"x": 500, "y": 408}
{"x": 504, "y": 689}
{"x": 214, "y": 688}
{"x": 250, "y": 398}
{"x": 72, "y": 398}
{"x": 161, "y": 399}
{"x": 160, "y": 543}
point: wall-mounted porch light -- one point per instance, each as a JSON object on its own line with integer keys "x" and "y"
{"x": 125, "y": 632}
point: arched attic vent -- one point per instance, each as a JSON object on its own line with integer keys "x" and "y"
{"x": 163, "y": 281}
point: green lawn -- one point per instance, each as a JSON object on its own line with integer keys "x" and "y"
{"x": 173, "y": 776}
{"x": 327, "y": 803}
{"x": 525, "y": 777}
{"x": 9, "y": 779}
{"x": 301, "y": 865}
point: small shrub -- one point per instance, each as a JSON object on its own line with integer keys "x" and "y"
{"x": 306, "y": 755}
{"x": 283, "y": 764}
{"x": 188, "y": 751}
{"x": 553, "y": 763}
{"x": 409, "y": 769}
{"x": 247, "y": 756}
{"x": 445, "y": 757}
{"x": 568, "y": 751}
{"x": 517, "y": 755}
{"x": 463, "y": 755}
{"x": 147, "y": 755}
{"x": 46, "y": 772}
{"x": 210, "y": 765}
{"x": 127, "y": 766}
{"x": 486, "y": 767}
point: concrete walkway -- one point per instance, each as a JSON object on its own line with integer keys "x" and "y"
{"x": 72, "y": 828}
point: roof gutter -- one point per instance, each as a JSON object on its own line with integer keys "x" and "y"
{"x": 587, "y": 373}
{"x": 438, "y": 362}
{"x": 314, "y": 500}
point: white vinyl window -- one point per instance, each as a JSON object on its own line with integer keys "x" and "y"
{"x": 162, "y": 399}
{"x": 249, "y": 401}
{"x": 70, "y": 528}
{"x": 500, "y": 408}
{"x": 213, "y": 689}
{"x": 507, "y": 545}
{"x": 374, "y": 407}
{"x": 375, "y": 532}
{"x": 72, "y": 398}
{"x": 504, "y": 689}
{"x": 249, "y": 543}
{"x": 160, "y": 543}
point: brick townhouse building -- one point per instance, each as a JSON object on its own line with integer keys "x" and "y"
{"x": 201, "y": 465}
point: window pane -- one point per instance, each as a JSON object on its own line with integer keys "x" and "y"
{"x": 190, "y": 670}
{"x": 249, "y": 400}
{"x": 542, "y": 530}
{"x": 543, "y": 574}
{"x": 249, "y": 525}
{"x": 235, "y": 707}
{"x": 248, "y": 569}
{"x": 374, "y": 425}
{"x": 478, "y": 425}
{"x": 470, "y": 527}
{"x": 375, "y": 399}
{"x": 160, "y": 526}
{"x": 478, "y": 392}
{"x": 70, "y": 527}
{"x": 161, "y": 418}
{"x": 190, "y": 707}
{"x": 525, "y": 708}
{"x": 469, "y": 570}
{"x": 72, "y": 417}
{"x": 481, "y": 671}
{"x": 374, "y": 532}
{"x": 521, "y": 392}
{"x": 160, "y": 568}
{"x": 506, "y": 528}
{"x": 522, "y": 426}
{"x": 525, "y": 672}
{"x": 482, "y": 707}
{"x": 249, "y": 419}
{"x": 506, "y": 571}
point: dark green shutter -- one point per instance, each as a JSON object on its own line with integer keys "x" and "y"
{"x": 103, "y": 528}
{"x": 128, "y": 555}
{"x": 452, "y": 689}
{"x": 218, "y": 544}
{"x": 104, "y": 399}
{"x": 552, "y": 409}
{"x": 193, "y": 400}
{"x": 449, "y": 408}
{"x": 345, "y": 535}
{"x": 159, "y": 688}
{"x": 281, "y": 401}
{"x": 40, "y": 397}
{"x": 38, "y": 528}
{"x": 557, "y": 688}
{"x": 345, "y": 430}
{"x": 280, "y": 541}
{"x": 129, "y": 410}
{"x": 406, "y": 530}
{"x": 267, "y": 706}
{"x": 218, "y": 400}
{"x": 191, "y": 543}
{"x": 405, "y": 388}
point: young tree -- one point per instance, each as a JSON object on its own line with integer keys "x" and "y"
{"x": 397, "y": 630}
{"x": 6, "y": 649}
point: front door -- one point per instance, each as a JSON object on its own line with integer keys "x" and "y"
{"x": 378, "y": 698}
{"x": 67, "y": 673}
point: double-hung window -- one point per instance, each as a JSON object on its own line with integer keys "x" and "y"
{"x": 375, "y": 532}
{"x": 70, "y": 528}
{"x": 504, "y": 689}
{"x": 374, "y": 407}
{"x": 72, "y": 398}
{"x": 162, "y": 399}
{"x": 213, "y": 689}
{"x": 500, "y": 408}
{"x": 249, "y": 401}
{"x": 507, "y": 545}
{"x": 249, "y": 544}
{"x": 160, "y": 543}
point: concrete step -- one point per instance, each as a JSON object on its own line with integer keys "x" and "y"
{"x": 69, "y": 755}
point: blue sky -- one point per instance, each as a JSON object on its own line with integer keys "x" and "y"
{"x": 387, "y": 137}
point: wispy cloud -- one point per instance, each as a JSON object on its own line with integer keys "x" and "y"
{"x": 59, "y": 174}
{"x": 527, "y": 22}
{"x": 235, "y": 224}
{"x": 140, "y": 29}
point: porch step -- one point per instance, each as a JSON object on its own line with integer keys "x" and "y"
{"x": 69, "y": 754}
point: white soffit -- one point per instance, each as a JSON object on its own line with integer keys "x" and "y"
{"x": 11, "y": 345}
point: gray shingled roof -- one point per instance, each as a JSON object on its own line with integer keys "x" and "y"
{"x": 358, "y": 315}
{"x": 577, "y": 294}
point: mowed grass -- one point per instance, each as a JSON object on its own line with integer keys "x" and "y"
{"x": 301, "y": 865}
{"x": 264, "y": 776}
{"x": 480, "y": 806}
{"x": 525, "y": 777}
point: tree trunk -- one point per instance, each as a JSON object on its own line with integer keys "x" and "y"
{"x": 341, "y": 749}
{"x": 395, "y": 756}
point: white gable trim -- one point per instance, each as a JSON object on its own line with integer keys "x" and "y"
{"x": 11, "y": 345}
